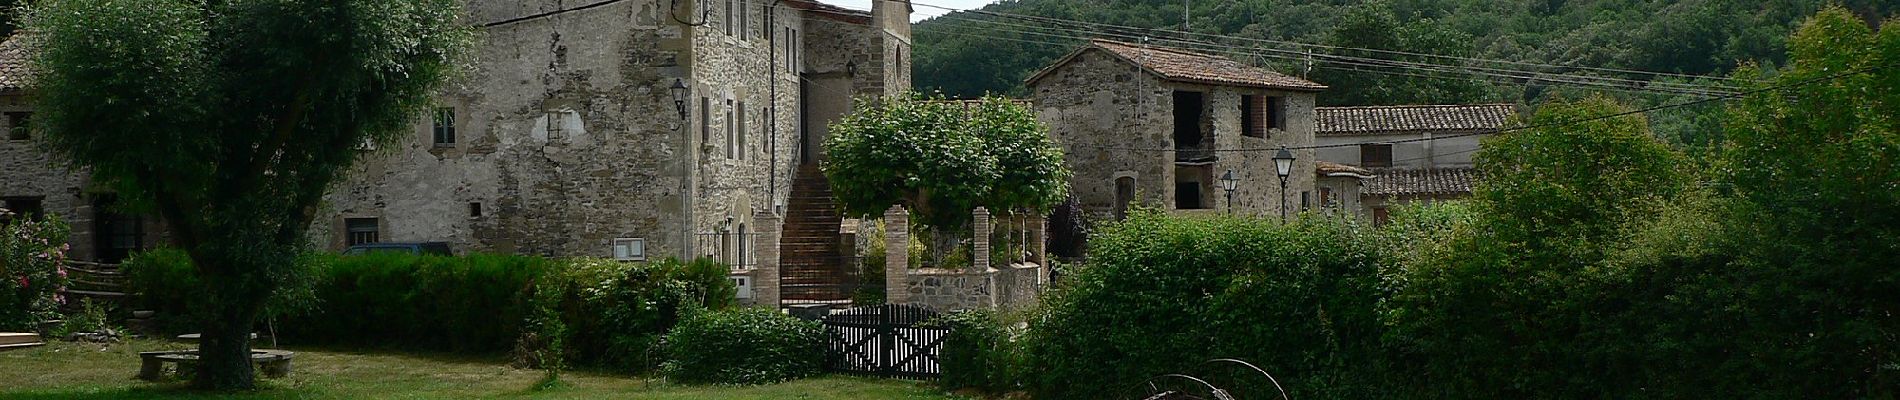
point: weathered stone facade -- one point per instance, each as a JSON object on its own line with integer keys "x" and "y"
{"x": 1116, "y": 119}
{"x": 568, "y": 136}
{"x": 31, "y": 177}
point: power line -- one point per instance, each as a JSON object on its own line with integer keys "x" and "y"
{"x": 601, "y": 3}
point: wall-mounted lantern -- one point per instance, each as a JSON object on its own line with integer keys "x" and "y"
{"x": 680, "y": 92}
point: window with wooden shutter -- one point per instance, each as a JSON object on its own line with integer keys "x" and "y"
{"x": 1253, "y": 114}
{"x": 1375, "y": 155}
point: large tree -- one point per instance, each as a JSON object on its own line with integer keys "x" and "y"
{"x": 941, "y": 159}
{"x": 230, "y": 118}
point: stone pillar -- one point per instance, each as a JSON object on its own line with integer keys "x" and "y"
{"x": 896, "y": 255}
{"x": 980, "y": 256}
{"x": 765, "y": 267}
{"x": 1039, "y": 247}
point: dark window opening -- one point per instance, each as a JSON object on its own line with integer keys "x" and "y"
{"x": 1187, "y": 196}
{"x": 1275, "y": 112}
{"x": 731, "y": 124}
{"x": 19, "y": 125}
{"x": 475, "y": 210}
{"x": 1326, "y": 198}
{"x": 116, "y": 235}
{"x": 1375, "y": 155}
{"x": 1306, "y": 200}
{"x": 1380, "y": 216}
{"x": 705, "y": 120}
{"x": 1190, "y": 109}
{"x": 1252, "y": 112}
{"x": 1124, "y": 194}
{"x": 742, "y": 131}
{"x": 360, "y": 231}
{"x": 444, "y": 126}
{"x": 28, "y": 207}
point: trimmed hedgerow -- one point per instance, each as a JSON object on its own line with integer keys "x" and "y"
{"x": 474, "y": 303}
{"x": 743, "y": 347}
{"x": 604, "y": 313}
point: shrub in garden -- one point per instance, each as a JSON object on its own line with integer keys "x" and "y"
{"x": 743, "y": 346}
{"x": 1161, "y": 294}
{"x": 473, "y": 303}
{"x": 163, "y": 280}
{"x": 32, "y": 269}
{"x": 979, "y": 352}
{"x": 605, "y": 313}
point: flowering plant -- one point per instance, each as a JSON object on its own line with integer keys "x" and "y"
{"x": 33, "y": 263}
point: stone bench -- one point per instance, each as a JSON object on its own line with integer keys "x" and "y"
{"x": 272, "y": 363}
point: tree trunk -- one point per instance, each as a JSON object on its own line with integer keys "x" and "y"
{"x": 224, "y": 350}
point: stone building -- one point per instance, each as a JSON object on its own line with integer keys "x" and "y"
{"x": 567, "y": 137}
{"x": 34, "y": 182}
{"x": 1159, "y": 126}
{"x": 1412, "y": 153}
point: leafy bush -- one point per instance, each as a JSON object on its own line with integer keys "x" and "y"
{"x": 32, "y": 269}
{"x": 604, "y": 313}
{"x": 474, "y": 303}
{"x": 1161, "y": 294}
{"x": 743, "y": 346}
{"x": 979, "y": 352}
{"x": 165, "y": 281}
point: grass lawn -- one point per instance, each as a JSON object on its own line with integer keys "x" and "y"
{"x": 77, "y": 370}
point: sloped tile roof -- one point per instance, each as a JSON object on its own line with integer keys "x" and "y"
{"x": 1186, "y": 66}
{"x": 13, "y": 58}
{"x": 832, "y": 12}
{"x": 1326, "y": 168}
{"x": 1339, "y": 121}
{"x": 1414, "y": 182}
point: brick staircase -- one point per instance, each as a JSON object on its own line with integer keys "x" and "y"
{"x": 811, "y": 269}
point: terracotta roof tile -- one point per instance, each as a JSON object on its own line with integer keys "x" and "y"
{"x": 1186, "y": 66}
{"x": 1414, "y": 182}
{"x": 13, "y": 60}
{"x": 1326, "y": 168}
{"x": 1337, "y": 121}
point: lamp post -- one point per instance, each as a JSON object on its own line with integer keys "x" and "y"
{"x": 1228, "y": 182}
{"x": 1283, "y": 162}
{"x": 679, "y": 90}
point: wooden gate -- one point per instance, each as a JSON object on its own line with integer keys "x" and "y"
{"x": 884, "y": 341}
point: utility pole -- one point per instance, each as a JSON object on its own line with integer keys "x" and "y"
{"x": 1186, "y": 5}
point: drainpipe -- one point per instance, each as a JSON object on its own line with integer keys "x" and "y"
{"x": 771, "y": 78}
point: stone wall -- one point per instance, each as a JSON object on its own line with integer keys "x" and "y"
{"x": 28, "y": 170}
{"x": 978, "y": 286}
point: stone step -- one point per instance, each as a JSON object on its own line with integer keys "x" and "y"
{"x": 7, "y": 338}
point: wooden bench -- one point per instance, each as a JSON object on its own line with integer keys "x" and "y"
{"x": 273, "y": 363}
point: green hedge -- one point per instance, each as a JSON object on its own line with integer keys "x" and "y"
{"x": 1163, "y": 294}
{"x": 980, "y": 352}
{"x": 549, "y": 313}
{"x": 743, "y": 346}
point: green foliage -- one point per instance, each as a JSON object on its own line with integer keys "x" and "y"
{"x": 474, "y": 303}
{"x": 1566, "y": 179}
{"x": 980, "y": 352}
{"x": 604, "y": 313}
{"x": 32, "y": 269}
{"x": 743, "y": 347}
{"x": 941, "y": 160}
{"x": 966, "y": 54}
{"x": 91, "y": 317}
{"x": 163, "y": 281}
{"x": 1161, "y": 294}
{"x": 1374, "y": 25}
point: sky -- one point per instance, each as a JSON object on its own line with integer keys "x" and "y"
{"x": 923, "y": 8}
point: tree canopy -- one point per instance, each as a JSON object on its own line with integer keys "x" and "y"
{"x": 230, "y": 119}
{"x": 942, "y": 159}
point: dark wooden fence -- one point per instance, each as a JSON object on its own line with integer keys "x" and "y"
{"x": 884, "y": 341}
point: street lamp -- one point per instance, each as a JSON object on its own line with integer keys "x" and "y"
{"x": 1283, "y": 161}
{"x": 1228, "y": 182}
{"x": 679, "y": 97}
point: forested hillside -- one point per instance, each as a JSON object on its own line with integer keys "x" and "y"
{"x": 1609, "y": 44}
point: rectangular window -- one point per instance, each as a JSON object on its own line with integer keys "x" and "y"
{"x": 475, "y": 210}
{"x": 29, "y": 207}
{"x": 728, "y": 10}
{"x": 731, "y": 125}
{"x": 1187, "y": 196}
{"x": 19, "y": 125}
{"x": 360, "y": 231}
{"x": 742, "y": 132}
{"x": 745, "y": 21}
{"x": 630, "y": 249}
{"x": 1326, "y": 198}
{"x": 445, "y": 126}
{"x": 1380, "y": 216}
{"x": 1276, "y": 113}
{"x": 1251, "y": 113}
{"x": 1375, "y": 155}
{"x": 705, "y": 120}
